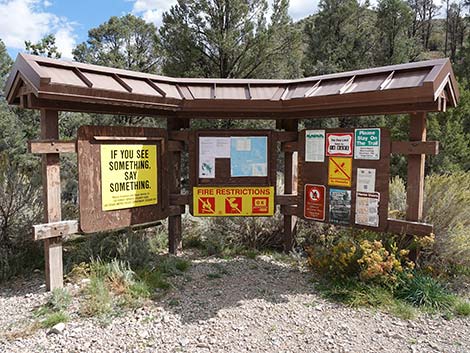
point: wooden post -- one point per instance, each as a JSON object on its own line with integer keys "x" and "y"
{"x": 415, "y": 178}
{"x": 51, "y": 199}
{"x": 290, "y": 222}
{"x": 174, "y": 159}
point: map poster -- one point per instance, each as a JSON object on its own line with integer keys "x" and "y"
{"x": 128, "y": 176}
{"x": 249, "y": 156}
{"x": 365, "y": 179}
{"x": 314, "y": 203}
{"x": 367, "y": 208}
{"x": 340, "y": 206}
{"x": 314, "y": 145}
{"x": 339, "y": 144}
{"x": 367, "y": 144}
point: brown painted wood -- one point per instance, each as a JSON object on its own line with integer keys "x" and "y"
{"x": 416, "y": 147}
{"x": 175, "y": 146}
{"x": 289, "y": 146}
{"x": 286, "y": 199}
{"x": 92, "y": 217}
{"x": 415, "y": 176}
{"x": 317, "y": 173}
{"x": 398, "y": 226}
{"x": 55, "y": 229}
{"x": 174, "y": 222}
{"x": 52, "y": 201}
{"x": 290, "y": 220}
{"x": 52, "y": 146}
{"x": 179, "y": 199}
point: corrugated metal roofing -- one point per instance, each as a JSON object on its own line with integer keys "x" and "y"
{"x": 38, "y": 82}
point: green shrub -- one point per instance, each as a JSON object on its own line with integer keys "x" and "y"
{"x": 447, "y": 207}
{"x": 54, "y": 318}
{"x": 397, "y": 198}
{"x": 462, "y": 307}
{"x": 424, "y": 291}
{"x": 98, "y": 299}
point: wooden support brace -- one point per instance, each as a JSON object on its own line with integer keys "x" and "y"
{"x": 55, "y": 229}
{"x": 51, "y": 200}
{"x": 286, "y": 199}
{"x": 398, "y": 226}
{"x": 174, "y": 221}
{"x": 290, "y": 221}
{"x": 52, "y": 146}
{"x": 179, "y": 199}
{"x": 415, "y": 147}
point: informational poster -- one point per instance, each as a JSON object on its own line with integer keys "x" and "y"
{"x": 339, "y": 144}
{"x": 128, "y": 176}
{"x": 367, "y": 208}
{"x": 367, "y": 144}
{"x": 314, "y": 203}
{"x": 365, "y": 179}
{"x": 314, "y": 145}
{"x": 211, "y": 148}
{"x": 249, "y": 156}
{"x": 233, "y": 201}
{"x": 340, "y": 206}
{"x": 340, "y": 171}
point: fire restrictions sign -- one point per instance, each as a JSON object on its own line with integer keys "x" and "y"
{"x": 233, "y": 201}
{"x": 128, "y": 176}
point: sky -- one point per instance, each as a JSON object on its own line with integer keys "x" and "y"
{"x": 70, "y": 20}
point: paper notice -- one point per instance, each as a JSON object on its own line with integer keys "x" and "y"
{"x": 315, "y": 145}
{"x": 207, "y": 155}
{"x": 367, "y": 208}
{"x": 222, "y": 146}
{"x": 243, "y": 144}
{"x": 365, "y": 180}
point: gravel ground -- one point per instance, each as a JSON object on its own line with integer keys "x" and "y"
{"x": 239, "y": 305}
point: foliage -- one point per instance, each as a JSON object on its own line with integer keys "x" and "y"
{"x": 397, "y": 198}
{"x": 126, "y": 42}
{"x": 45, "y": 47}
{"x": 229, "y": 39}
{"x": 55, "y": 309}
{"x": 447, "y": 207}
{"x": 366, "y": 256}
{"x": 424, "y": 291}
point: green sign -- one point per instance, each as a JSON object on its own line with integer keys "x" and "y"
{"x": 367, "y": 144}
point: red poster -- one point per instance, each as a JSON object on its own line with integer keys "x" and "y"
{"x": 260, "y": 205}
{"x": 233, "y": 205}
{"x": 206, "y": 205}
{"x": 339, "y": 144}
{"x": 314, "y": 202}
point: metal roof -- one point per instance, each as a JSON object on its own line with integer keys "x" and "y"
{"x": 37, "y": 82}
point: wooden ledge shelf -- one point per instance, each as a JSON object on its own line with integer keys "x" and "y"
{"x": 52, "y": 146}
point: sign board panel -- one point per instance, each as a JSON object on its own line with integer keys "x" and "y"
{"x": 339, "y": 144}
{"x": 340, "y": 171}
{"x": 128, "y": 176}
{"x": 367, "y": 208}
{"x": 340, "y": 206}
{"x": 314, "y": 203}
{"x": 233, "y": 201}
{"x": 314, "y": 145}
{"x": 367, "y": 144}
{"x": 122, "y": 175}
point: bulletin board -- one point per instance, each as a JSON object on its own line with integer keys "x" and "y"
{"x": 123, "y": 177}
{"x": 344, "y": 176}
{"x": 232, "y": 172}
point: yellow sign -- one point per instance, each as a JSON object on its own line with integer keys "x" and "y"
{"x": 233, "y": 201}
{"x": 128, "y": 176}
{"x": 339, "y": 171}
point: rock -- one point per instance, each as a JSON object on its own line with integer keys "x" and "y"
{"x": 57, "y": 329}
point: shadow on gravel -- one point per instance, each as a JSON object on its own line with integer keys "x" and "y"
{"x": 213, "y": 285}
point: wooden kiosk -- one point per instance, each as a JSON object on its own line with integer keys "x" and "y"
{"x": 335, "y": 167}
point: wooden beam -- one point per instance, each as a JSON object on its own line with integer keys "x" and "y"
{"x": 55, "y": 229}
{"x": 122, "y": 83}
{"x": 82, "y": 77}
{"x": 174, "y": 221}
{"x": 155, "y": 87}
{"x": 415, "y": 147}
{"x": 286, "y": 199}
{"x": 398, "y": 226}
{"x": 175, "y": 146}
{"x": 52, "y": 146}
{"x": 415, "y": 177}
{"x": 290, "y": 146}
{"x": 51, "y": 200}
{"x": 290, "y": 221}
{"x": 179, "y": 199}
{"x": 289, "y": 211}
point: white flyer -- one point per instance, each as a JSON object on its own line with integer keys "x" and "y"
{"x": 365, "y": 180}
{"x": 367, "y": 208}
{"x": 222, "y": 146}
{"x": 207, "y": 155}
{"x": 315, "y": 145}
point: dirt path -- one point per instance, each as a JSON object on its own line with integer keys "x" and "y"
{"x": 239, "y": 305}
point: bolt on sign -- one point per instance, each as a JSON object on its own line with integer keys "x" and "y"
{"x": 367, "y": 144}
{"x": 122, "y": 175}
{"x": 314, "y": 202}
{"x": 339, "y": 144}
{"x": 340, "y": 171}
{"x": 128, "y": 176}
{"x": 233, "y": 201}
